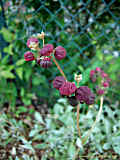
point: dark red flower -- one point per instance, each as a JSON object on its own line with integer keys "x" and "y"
{"x": 46, "y": 62}
{"x": 58, "y": 81}
{"x": 84, "y": 95}
{"x": 91, "y": 99}
{"x": 67, "y": 88}
{"x": 29, "y": 56}
{"x": 46, "y": 50}
{"x": 72, "y": 101}
{"x": 60, "y": 53}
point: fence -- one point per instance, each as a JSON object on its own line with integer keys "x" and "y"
{"x": 89, "y": 30}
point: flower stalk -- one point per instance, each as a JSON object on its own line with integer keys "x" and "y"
{"x": 59, "y": 68}
{"x": 78, "y": 116}
{"x": 94, "y": 124}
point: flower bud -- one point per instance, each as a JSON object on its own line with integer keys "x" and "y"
{"x": 67, "y": 88}
{"x": 38, "y": 61}
{"x": 104, "y": 75}
{"x": 46, "y": 62}
{"x": 46, "y": 50}
{"x": 58, "y": 81}
{"x": 78, "y": 78}
{"x": 72, "y": 101}
{"x": 92, "y": 73}
{"x": 98, "y": 69}
{"x": 100, "y": 92}
{"x": 29, "y": 56}
{"x": 32, "y": 43}
{"x": 60, "y": 53}
{"x": 105, "y": 84}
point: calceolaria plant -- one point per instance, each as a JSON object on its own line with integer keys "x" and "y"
{"x": 75, "y": 94}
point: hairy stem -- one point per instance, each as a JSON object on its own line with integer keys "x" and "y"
{"x": 97, "y": 119}
{"x": 58, "y": 66}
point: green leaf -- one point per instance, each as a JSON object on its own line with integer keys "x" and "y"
{"x": 58, "y": 109}
{"x": 33, "y": 132}
{"x": 41, "y": 146}
{"x": 107, "y": 146}
{"x": 8, "y": 36}
{"x": 71, "y": 151}
{"x": 79, "y": 143}
{"x": 9, "y": 49}
{"x": 22, "y": 109}
{"x": 22, "y": 92}
{"x": 44, "y": 157}
{"x": 19, "y": 71}
{"x": 20, "y": 62}
{"x": 38, "y": 117}
{"x": 7, "y": 74}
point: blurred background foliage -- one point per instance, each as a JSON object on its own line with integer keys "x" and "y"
{"x": 89, "y": 30}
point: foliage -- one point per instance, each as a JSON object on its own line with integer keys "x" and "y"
{"x": 89, "y": 37}
{"x": 55, "y": 135}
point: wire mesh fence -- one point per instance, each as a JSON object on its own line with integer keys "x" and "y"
{"x": 89, "y": 30}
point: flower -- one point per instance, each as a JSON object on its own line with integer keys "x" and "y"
{"x": 67, "y": 88}
{"x": 91, "y": 99}
{"x": 29, "y": 56}
{"x": 93, "y": 75}
{"x": 46, "y": 50}
{"x": 32, "y": 43}
{"x": 105, "y": 84}
{"x": 60, "y": 53}
{"x": 104, "y": 75}
{"x": 98, "y": 69}
{"x": 45, "y": 62}
{"x": 58, "y": 81}
{"x": 100, "y": 92}
{"x": 92, "y": 72}
{"x": 84, "y": 95}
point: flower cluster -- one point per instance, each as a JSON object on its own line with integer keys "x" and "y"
{"x": 44, "y": 54}
{"x": 82, "y": 94}
{"x": 68, "y": 89}
{"x": 98, "y": 76}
